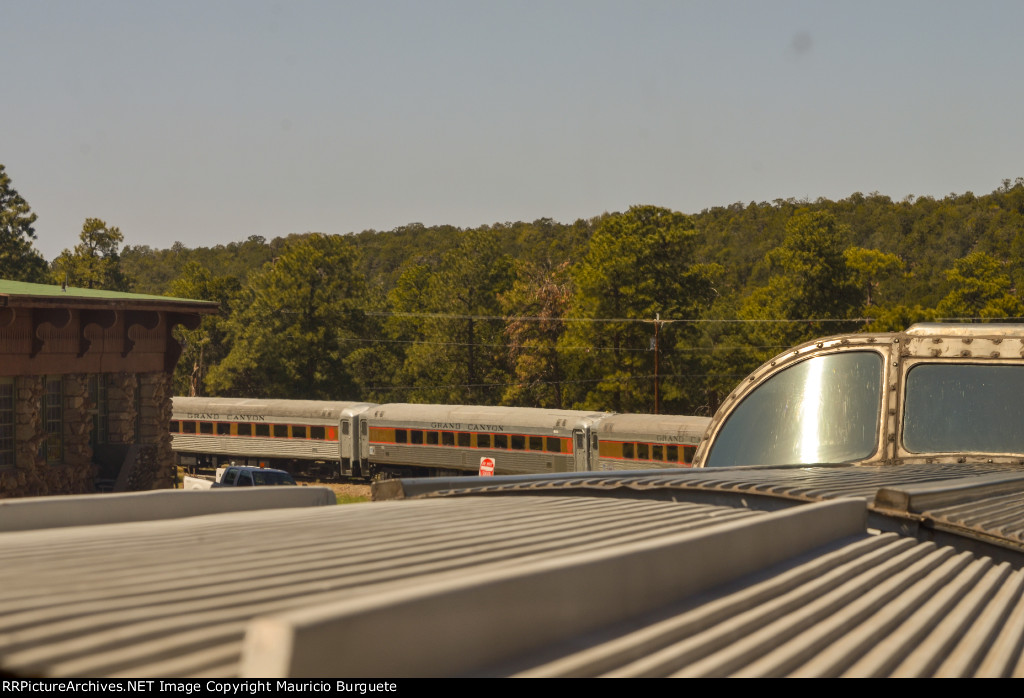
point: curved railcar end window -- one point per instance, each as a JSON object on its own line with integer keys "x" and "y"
{"x": 825, "y": 409}
{"x": 964, "y": 407}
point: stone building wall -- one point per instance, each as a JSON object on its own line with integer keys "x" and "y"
{"x": 154, "y": 466}
{"x": 137, "y": 404}
{"x": 122, "y": 413}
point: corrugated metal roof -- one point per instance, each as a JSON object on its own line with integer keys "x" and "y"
{"x": 561, "y": 585}
{"x": 174, "y": 597}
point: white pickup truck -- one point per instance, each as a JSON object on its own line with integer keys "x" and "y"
{"x": 239, "y": 476}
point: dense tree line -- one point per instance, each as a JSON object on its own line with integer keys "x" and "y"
{"x": 643, "y": 310}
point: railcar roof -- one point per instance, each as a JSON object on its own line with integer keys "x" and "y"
{"x": 668, "y": 424}
{"x": 993, "y": 329}
{"x": 469, "y": 414}
{"x": 275, "y": 408}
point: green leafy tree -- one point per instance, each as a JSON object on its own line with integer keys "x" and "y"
{"x": 458, "y": 355}
{"x": 981, "y": 287}
{"x": 96, "y": 260}
{"x": 536, "y": 305}
{"x": 295, "y": 325}
{"x": 206, "y": 345}
{"x": 872, "y": 270}
{"x": 19, "y": 260}
{"x": 809, "y": 285}
{"x": 640, "y": 266}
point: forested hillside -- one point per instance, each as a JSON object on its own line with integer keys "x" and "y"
{"x": 643, "y": 310}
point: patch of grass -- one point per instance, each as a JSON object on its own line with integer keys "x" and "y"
{"x": 351, "y": 499}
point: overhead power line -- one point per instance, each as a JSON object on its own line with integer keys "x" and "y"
{"x": 663, "y": 321}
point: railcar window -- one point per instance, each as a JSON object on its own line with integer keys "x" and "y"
{"x": 483, "y": 440}
{"x": 416, "y": 437}
{"x": 553, "y": 445}
{"x": 223, "y": 428}
{"x": 262, "y": 429}
{"x": 188, "y": 427}
{"x": 672, "y": 453}
{"x": 244, "y": 429}
{"x": 317, "y": 433}
{"x": 501, "y": 441}
{"x": 825, "y": 409}
{"x": 657, "y": 453}
{"x": 344, "y": 428}
{"x": 298, "y": 432}
{"x": 432, "y": 438}
{"x": 280, "y": 431}
{"x": 362, "y": 428}
{"x": 627, "y": 450}
{"x": 964, "y": 407}
{"x": 400, "y": 436}
{"x": 447, "y": 438}
{"x": 642, "y": 452}
{"x": 205, "y": 427}
{"x": 536, "y": 443}
{"x": 463, "y": 439}
{"x": 518, "y": 442}
{"x": 175, "y": 426}
{"x": 688, "y": 453}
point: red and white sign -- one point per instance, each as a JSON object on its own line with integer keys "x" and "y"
{"x": 486, "y": 466}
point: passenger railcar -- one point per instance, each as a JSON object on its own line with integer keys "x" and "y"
{"x": 647, "y": 441}
{"x": 405, "y": 439}
{"x": 303, "y": 436}
{"x": 362, "y": 439}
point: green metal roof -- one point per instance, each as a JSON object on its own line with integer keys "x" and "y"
{"x": 24, "y": 289}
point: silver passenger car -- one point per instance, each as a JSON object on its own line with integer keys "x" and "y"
{"x": 452, "y": 439}
{"x": 647, "y": 441}
{"x": 311, "y": 436}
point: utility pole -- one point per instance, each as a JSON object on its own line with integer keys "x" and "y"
{"x": 657, "y": 324}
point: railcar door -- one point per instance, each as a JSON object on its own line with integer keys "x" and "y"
{"x": 579, "y": 450}
{"x": 345, "y": 438}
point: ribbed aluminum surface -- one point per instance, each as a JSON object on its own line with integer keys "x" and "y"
{"x": 999, "y": 516}
{"x": 881, "y": 606}
{"x": 170, "y": 598}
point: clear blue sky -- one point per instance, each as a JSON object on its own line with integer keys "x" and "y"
{"x": 207, "y": 122}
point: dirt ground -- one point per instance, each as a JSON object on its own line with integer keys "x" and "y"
{"x": 347, "y": 493}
